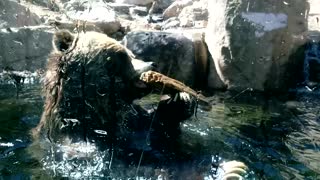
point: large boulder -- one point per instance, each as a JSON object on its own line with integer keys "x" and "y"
{"x": 13, "y": 14}
{"x": 25, "y": 48}
{"x": 256, "y": 44}
{"x": 173, "y": 53}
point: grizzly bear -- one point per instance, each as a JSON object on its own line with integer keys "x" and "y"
{"x": 89, "y": 80}
{"x": 89, "y": 86}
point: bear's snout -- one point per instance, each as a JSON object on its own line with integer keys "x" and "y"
{"x": 141, "y": 66}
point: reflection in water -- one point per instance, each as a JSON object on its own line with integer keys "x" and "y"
{"x": 276, "y": 137}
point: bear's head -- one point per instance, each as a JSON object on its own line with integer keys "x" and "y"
{"x": 89, "y": 85}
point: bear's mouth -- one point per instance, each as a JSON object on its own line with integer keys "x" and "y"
{"x": 141, "y": 67}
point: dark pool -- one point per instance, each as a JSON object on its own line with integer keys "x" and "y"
{"x": 276, "y": 136}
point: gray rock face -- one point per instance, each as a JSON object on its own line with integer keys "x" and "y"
{"x": 25, "y": 48}
{"x": 173, "y": 53}
{"x": 255, "y": 45}
{"x": 12, "y": 14}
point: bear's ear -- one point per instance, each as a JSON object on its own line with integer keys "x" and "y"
{"x": 62, "y": 40}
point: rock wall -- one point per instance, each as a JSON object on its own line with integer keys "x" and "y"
{"x": 25, "y": 48}
{"x": 12, "y": 14}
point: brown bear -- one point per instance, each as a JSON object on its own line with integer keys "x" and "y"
{"x": 89, "y": 84}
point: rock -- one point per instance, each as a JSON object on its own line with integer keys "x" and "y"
{"x": 121, "y": 8}
{"x": 171, "y": 23}
{"x": 94, "y": 12}
{"x": 201, "y": 60}
{"x": 25, "y": 48}
{"x": 196, "y": 12}
{"x": 138, "y": 10}
{"x": 158, "y": 6}
{"x": 313, "y": 15}
{"x": 173, "y": 53}
{"x": 51, "y": 5}
{"x": 135, "y": 2}
{"x": 13, "y": 14}
{"x": 175, "y": 8}
{"x": 255, "y": 45}
{"x": 44, "y": 13}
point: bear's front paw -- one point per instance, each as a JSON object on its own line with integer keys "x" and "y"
{"x": 151, "y": 77}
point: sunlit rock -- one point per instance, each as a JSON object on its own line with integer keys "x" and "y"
{"x": 140, "y": 11}
{"x": 175, "y": 8}
{"x": 158, "y": 6}
{"x": 13, "y": 14}
{"x": 121, "y": 8}
{"x": 95, "y": 12}
{"x": 191, "y": 14}
{"x": 186, "y": 14}
{"x": 313, "y": 15}
{"x": 171, "y": 23}
{"x": 254, "y": 44}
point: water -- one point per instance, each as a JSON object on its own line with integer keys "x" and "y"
{"x": 276, "y": 136}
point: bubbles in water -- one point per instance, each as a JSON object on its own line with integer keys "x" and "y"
{"x": 77, "y": 160}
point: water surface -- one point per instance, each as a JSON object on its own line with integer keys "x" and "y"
{"x": 277, "y": 136}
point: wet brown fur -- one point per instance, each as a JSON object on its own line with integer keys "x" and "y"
{"x": 59, "y": 59}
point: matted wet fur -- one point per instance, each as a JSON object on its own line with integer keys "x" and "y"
{"x": 88, "y": 85}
